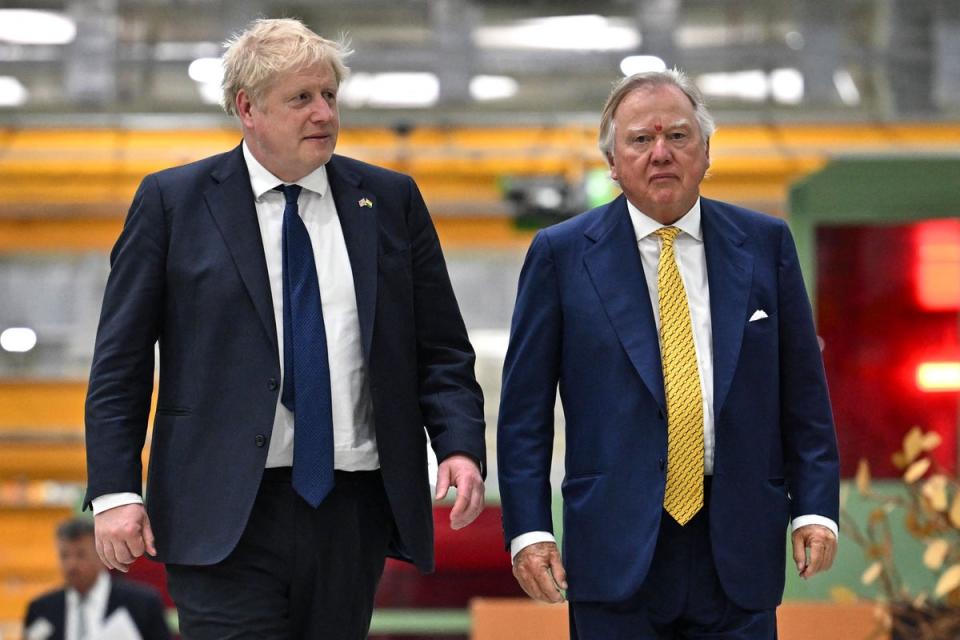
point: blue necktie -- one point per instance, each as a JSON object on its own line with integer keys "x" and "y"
{"x": 306, "y": 371}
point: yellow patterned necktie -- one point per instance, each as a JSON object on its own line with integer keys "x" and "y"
{"x": 681, "y": 381}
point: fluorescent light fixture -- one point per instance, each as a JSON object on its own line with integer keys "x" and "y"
{"x": 208, "y": 74}
{"x": 846, "y": 87}
{"x": 571, "y": 33}
{"x": 28, "y": 26}
{"x": 12, "y": 92}
{"x": 640, "y": 64}
{"x": 18, "y": 339}
{"x": 939, "y": 376}
{"x": 783, "y": 85}
{"x": 786, "y": 85}
{"x": 206, "y": 70}
{"x": 390, "y": 90}
{"x": 486, "y": 88}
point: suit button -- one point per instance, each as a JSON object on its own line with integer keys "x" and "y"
{"x": 260, "y": 440}
{"x": 272, "y": 384}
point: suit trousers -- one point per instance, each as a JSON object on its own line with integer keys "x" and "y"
{"x": 297, "y": 572}
{"x": 681, "y": 597}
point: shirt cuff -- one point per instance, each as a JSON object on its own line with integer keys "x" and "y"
{"x": 110, "y": 500}
{"x": 826, "y": 522}
{"x": 526, "y": 539}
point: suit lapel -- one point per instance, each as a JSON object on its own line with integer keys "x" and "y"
{"x": 231, "y": 202}
{"x": 729, "y": 273}
{"x": 360, "y": 232}
{"x": 613, "y": 262}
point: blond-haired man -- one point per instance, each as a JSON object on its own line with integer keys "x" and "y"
{"x": 307, "y": 333}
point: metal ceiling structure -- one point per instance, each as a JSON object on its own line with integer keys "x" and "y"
{"x": 875, "y": 60}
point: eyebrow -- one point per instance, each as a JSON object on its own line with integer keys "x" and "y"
{"x": 676, "y": 124}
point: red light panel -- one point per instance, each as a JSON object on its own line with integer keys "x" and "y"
{"x": 938, "y": 265}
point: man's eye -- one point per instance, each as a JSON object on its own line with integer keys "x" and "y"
{"x": 642, "y": 139}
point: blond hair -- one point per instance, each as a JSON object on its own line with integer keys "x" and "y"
{"x": 670, "y": 77}
{"x": 267, "y": 48}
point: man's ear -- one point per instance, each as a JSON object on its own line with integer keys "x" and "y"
{"x": 244, "y": 106}
{"x": 613, "y": 168}
{"x": 708, "y": 152}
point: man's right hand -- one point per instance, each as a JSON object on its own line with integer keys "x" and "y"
{"x": 540, "y": 573}
{"x": 123, "y": 534}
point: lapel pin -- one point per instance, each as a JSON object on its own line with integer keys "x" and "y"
{"x": 366, "y": 203}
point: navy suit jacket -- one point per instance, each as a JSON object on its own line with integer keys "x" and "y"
{"x": 189, "y": 272}
{"x": 144, "y": 605}
{"x": 583, "y": 321}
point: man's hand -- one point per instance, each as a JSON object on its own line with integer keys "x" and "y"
{"x": 539, "y": 571}
{"x": 123, "y": 534}
{"x": 462, "y": 472}
{"x": 822, "y": 545}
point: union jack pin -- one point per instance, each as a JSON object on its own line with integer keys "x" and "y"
{"x": 365, "y": 202}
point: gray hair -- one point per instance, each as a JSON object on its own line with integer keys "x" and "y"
{"x": 670, "y": 77}
{"x": 75, "y": 529}
{"x": 270, "y": 47}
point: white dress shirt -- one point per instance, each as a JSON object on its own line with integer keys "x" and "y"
{"x": 92, "y": 609}
{"x": 354, "y": 439}
{"x": 692, "y": 262}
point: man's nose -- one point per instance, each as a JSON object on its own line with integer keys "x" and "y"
{"x": 322, "y": 111}
{"x": 661, "y": 151}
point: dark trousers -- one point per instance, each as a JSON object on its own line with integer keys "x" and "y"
{"x": 681, "y": 598}
{"x": 297, "y": 572}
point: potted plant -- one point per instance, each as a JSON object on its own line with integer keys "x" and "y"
{"x": 929, "y": 506}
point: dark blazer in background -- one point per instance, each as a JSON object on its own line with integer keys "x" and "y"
{"x": 189, "y": 271}
{"x": 144, "y": 605}
{"x": 583, "y": 319}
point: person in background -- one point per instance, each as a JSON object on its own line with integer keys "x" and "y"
{"x": 90, "y": 595}
{"x": 308, "y": 332}
{"x": 698, "y": 424}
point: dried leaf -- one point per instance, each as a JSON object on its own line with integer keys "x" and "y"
{"x": 863, "y": 476}
{"x": 899, "y": 460}
{"x": 874, "y": 571}
{"x": 877, "y": 551}
{"x": 949, "y": 581}
{"x": 842, "y": 595}
{"x": 955, "y": 511}
{"x": 916, "y": 470}
{"x": 876, "y": 516}
{"x": 935, "y": 554}
{"x": 935, "y": 491}
{"x": 931, "y": 440}
{"x": 912, "y": 444}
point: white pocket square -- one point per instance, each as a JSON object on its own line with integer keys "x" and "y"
{"x": 759, "y": 314}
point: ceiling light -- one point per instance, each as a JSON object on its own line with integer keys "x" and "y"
{"x": 18, "y": 339}
{"x": 786, "y": 86}
{"x": 484, "y": 88}
{"x": 641, "y": 64}
{"x": 794, "y": 40}
{"x": 12, "y": 92}
{"x": 390, "y": 90}
{"x": 846, "y": 87}
{"x": 28, "y": 26}
{"x": 572, "y": 33}
{"x": 206, "y": 70}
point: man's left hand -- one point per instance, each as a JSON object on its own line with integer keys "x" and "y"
{"x": 462, "y": 472}
{"x": 822, "y": 545}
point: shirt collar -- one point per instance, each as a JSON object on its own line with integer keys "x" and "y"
{"x": 644, "y": 225}
{"x": 98, "y": 592}
{"x": 262, "y": 181}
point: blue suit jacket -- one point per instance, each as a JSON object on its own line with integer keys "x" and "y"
{"x": 188, "y": 271}
{"x": 583, "y": 321}
{"x": 144, "y": 605}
